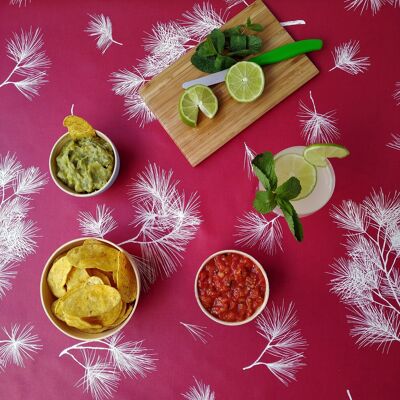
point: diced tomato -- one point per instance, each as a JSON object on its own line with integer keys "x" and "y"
{"x": 231, "y": 287}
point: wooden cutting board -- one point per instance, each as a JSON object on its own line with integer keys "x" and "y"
{"x": 162, "y": 93}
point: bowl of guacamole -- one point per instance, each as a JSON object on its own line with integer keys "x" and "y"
{"x": 86, "y": 166}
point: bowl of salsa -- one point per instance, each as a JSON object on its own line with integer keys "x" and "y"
{"x": 231, "y": 287}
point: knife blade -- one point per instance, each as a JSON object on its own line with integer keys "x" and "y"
{"x": 278, "y": 54}
{"x": 208, "y": 80}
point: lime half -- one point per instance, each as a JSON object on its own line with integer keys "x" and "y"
{"x": 295, "y": 165}
{"x": 317, "y": 154}
{"x": 194, "y": 98}
{"x": 245, "y": 81}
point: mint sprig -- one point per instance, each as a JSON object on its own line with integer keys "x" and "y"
{"x": 274, "y": 195}
{"x": 222, "y": 49}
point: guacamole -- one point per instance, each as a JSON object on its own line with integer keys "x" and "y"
{"x": 86, "y": 164}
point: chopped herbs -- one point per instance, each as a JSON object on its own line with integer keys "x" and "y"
{"x": 222, "y": 49}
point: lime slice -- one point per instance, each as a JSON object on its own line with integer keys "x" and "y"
{"x": 245, "y": 81}
{"x": 317, "y": 154}
{"x": 194, "y": 98}
{"x": 295, "y": 165}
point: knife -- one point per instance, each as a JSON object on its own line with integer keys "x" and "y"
{"x": 281, "y": 53}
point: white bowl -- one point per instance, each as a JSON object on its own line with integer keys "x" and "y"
{"x": 53, "y": 166}
{"x": 47, "y": 297}
{"x": 256, "y": 313}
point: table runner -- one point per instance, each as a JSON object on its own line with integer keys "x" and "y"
{"x": 340, "y": 345}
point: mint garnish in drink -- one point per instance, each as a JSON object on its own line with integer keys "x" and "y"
{"x": 274, "y": 195}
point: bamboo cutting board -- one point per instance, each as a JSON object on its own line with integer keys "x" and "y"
{"x": 162, "y": 93}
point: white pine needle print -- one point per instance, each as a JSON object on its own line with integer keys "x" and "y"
{"x": 202, "y": 19}
{"x": 29, "y": 72}
{"x": 256, "y": 230}
{"x": 20, "y": 345}
{"x": 166, "y": 218}
{"x": 99, "y": 225}
{"x": 100, "y": 27}
{"x": 395, "y": 143}
{"x": 285, "y": 344}
{"x": 317, "y": 127}
{"x": 166, "y": 43}
{"x": 233, "y": 3}
{"x": 345, "y": 58}
{"x": 396, "y": 93}
{"x": 105, "y": 361}
{"x": 100, "y": 378}
{"x": 19, "y": 3}
{"x": 349, "y": 394}
{"x": 197, "y": 332}
{"x": 135, "y": 107}
{"x": 200, "y": 391}
{"x": 374, "y": 5}
{"x": 367, "y": 280}
{"x": 127, "y": 83}
{"x": 249, "y": 155}
{"x": 17, "y": 233}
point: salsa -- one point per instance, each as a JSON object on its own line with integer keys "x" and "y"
{"x": 231, "y": 287}
{"x": 86, "y": 164}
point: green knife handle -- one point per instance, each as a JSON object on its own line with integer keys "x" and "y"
{"x": 287, "y": 51}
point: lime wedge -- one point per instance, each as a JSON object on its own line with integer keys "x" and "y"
{"x": 295, "y": 165}
{"x": 245, "y": 81}
{"x": 194, "y": 98}
{"x": 317, "y": 154}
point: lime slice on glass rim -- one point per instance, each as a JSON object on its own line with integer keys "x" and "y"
{"x": 194, "y": 98}
{"x": 289, "y": 165}
{"x": 245, "y": 81}
{"x": 317, "y": 154}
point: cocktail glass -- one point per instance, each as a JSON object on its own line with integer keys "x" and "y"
{"x": 322, "y": 191}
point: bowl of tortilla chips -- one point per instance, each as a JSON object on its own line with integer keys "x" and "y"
{"x": 90, "y": 288}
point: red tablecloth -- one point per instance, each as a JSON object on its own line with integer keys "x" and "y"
{"x": 79, "y": 74}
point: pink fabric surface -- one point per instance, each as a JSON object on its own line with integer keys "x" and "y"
{"x": 79, "y": 75}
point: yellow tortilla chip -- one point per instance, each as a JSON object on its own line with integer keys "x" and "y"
{"x": 79, "y": 323}
{"x": 126, "y": 279}
{"x": 78, "y": 128}
{"x": 94, "y": 280}
{"x": 99, "y": 274}
{"x": 111, "y": 316}
{"x": 91, "y": 241}
{"x": 57, "y": 309}
{"x": 77, "y": 277}
{"x": 94, "y": 256}
{"x": 57, "y": 276}
{"x": 91, "y": 300}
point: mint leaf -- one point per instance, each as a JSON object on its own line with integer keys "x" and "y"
{"x": 264, "y": 202}
{"x": 237, "y": 30}
{"x": 205, "y": 64}
{"x": 291, "y": 218}
{"x": 238, "y": 42}
{"x": 253, "y": 27}
{"x": 206, "y": 49}
{"x": 264, "y": 168}
{"x": 240, "y": 53}
{"x": 218, "y": 40}
{"x": 290, "y": 189}
{"x": 254, "y": 43}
